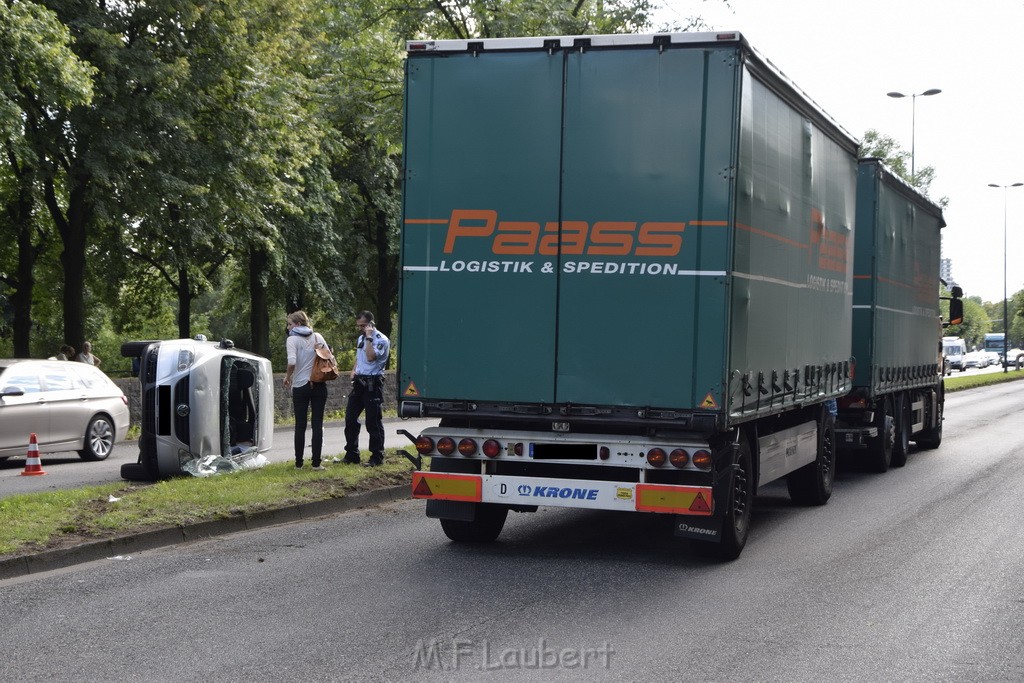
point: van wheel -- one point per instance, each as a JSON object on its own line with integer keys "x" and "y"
{"x": 134, "y": 471}
{"x": 880, "y": 448}
{"x": 485, "y": 527}
{"x": 134, "y": 349}
{"x": 99, "y": 439}
{"x": 901, "y": 446}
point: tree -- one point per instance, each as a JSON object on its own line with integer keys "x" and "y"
{"x": 880, "y": 146}
{"x": 975, "y": 325}
{"x": 38, "y": 74}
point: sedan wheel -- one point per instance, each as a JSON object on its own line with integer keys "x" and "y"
{"x": 99, "y": 439}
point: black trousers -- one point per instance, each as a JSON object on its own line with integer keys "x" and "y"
{"x": 310, "y": 394}
{"x": 367, "y": 395}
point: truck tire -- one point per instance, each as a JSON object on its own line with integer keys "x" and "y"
{"x": 736, "y": 524}
{"x": 932, "y": 438}
{"x": 901, "y": 445}
{"x": 485, "y": 527}
{"x": 880, "y": 448}
{"x": 812, "y": 483}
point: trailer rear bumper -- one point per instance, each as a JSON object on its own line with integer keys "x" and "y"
{"x": 572, "y": 493}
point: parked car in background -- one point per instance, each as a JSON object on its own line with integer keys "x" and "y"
{"x": 68, "y": 406}
{"x": 976, "y": 359}
{"x": 1015, "y": 358}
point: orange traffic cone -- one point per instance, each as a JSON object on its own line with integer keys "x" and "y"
{"x": 33, "y": 466}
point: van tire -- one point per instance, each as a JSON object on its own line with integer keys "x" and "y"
{"x": 487, "y": 524}
{"x": 134, "y": 349}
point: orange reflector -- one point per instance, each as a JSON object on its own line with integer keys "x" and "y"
{"x": 680, "y": 500}
{"x": 438, "y": 486}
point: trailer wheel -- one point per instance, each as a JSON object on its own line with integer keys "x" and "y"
{"x": 485, "y": 527}
{"x": 880, "y": 447}
{"x": 901, "y": 447}
{"x": 812, "y": 483}
{"x": 736, "y": 525}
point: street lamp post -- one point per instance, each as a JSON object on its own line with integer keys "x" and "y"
{"x": 913, "y": 116}
{"x": 1006, "y": 322}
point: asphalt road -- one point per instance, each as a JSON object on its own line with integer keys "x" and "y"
{"x": 67, "y": 470}
{"x": 910, "y": 575}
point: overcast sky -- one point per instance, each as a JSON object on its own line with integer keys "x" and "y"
{"x": 848, "y": 55}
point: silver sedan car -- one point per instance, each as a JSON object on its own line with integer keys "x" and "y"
{"x": 69, "y": 406}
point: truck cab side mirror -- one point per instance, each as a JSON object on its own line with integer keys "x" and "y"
{"x": 956, "y": 306}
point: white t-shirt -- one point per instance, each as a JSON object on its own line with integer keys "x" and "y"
{"x": 86, "y": 358}
{"x": 301, "y": 352}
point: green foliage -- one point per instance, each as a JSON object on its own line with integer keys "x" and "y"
{"x": 880, "y": 146}
{"x": 183, "y": 144}
{"x": 975, "y": 325}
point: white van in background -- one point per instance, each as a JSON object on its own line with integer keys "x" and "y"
{"x": 953, "y": 350}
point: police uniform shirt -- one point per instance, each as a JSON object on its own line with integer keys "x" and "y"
{"x": 381, "y": 345}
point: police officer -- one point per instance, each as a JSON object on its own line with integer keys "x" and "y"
{"x": 372, "y": 349}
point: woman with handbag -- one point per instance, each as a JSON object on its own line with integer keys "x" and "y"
{"x": 301, "y": 345}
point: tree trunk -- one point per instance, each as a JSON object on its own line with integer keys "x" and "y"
{"x": 73, "y": 228}
{"x": 387, "y": 281}
{"x": 184, "y": 292}
{"x": 20, "y": 212}
{"x": 259, "y": 316}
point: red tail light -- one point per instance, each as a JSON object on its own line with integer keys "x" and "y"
{"x": 656, "y": 457}
{"x": 679, "y": 458}
{"x": 446, "y": 445}
{"x": 492, "y": 449}
{"x": 467, "y": 447}
{"x": 702, "y": 460}
{"x": 424, "y": 445}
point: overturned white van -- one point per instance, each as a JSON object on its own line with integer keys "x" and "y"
{"x": 199, "y": 399}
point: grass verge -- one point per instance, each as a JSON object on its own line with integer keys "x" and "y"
{"x": 55, "y": 519}
{"x": 971, "y": 381}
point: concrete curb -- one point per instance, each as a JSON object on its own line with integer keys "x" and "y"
{"x": 49, "y": 560}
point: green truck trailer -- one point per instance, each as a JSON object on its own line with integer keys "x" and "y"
{"x": 897, "y": 343}
{"x": 627, "y": 280}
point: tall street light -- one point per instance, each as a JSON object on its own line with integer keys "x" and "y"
{"x": 913, "y": 115}
{"x": 1006, "y": 322}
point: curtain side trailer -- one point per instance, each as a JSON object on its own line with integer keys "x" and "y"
{"x": 627, "y": 280}
{"x": 897, "y": 392}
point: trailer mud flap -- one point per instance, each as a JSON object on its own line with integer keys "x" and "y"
{"x": 451, "y": 509}
{"x": 698, "y": 528}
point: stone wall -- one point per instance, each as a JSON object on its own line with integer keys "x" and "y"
{"x": 337, "y": 395}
